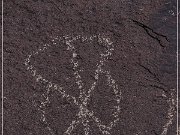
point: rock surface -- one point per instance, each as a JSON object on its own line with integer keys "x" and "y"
{"x": 143, "y": 65}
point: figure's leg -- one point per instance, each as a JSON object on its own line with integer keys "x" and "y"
{"x": 102, "y": 128}
{"x": 72, "y": 126}
{"x": 105, "y": 129}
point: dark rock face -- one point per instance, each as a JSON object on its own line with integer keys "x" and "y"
{"x": 140, "y": 70}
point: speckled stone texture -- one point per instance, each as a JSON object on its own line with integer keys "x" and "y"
{"x": 143, "y": 64}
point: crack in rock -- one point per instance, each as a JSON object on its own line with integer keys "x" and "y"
{"x": 152, "y": 33}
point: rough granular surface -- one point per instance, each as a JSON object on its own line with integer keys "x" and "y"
{"x": 97, "y": 67}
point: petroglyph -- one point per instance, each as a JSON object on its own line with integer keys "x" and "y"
{"x": 84, "y": 115}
